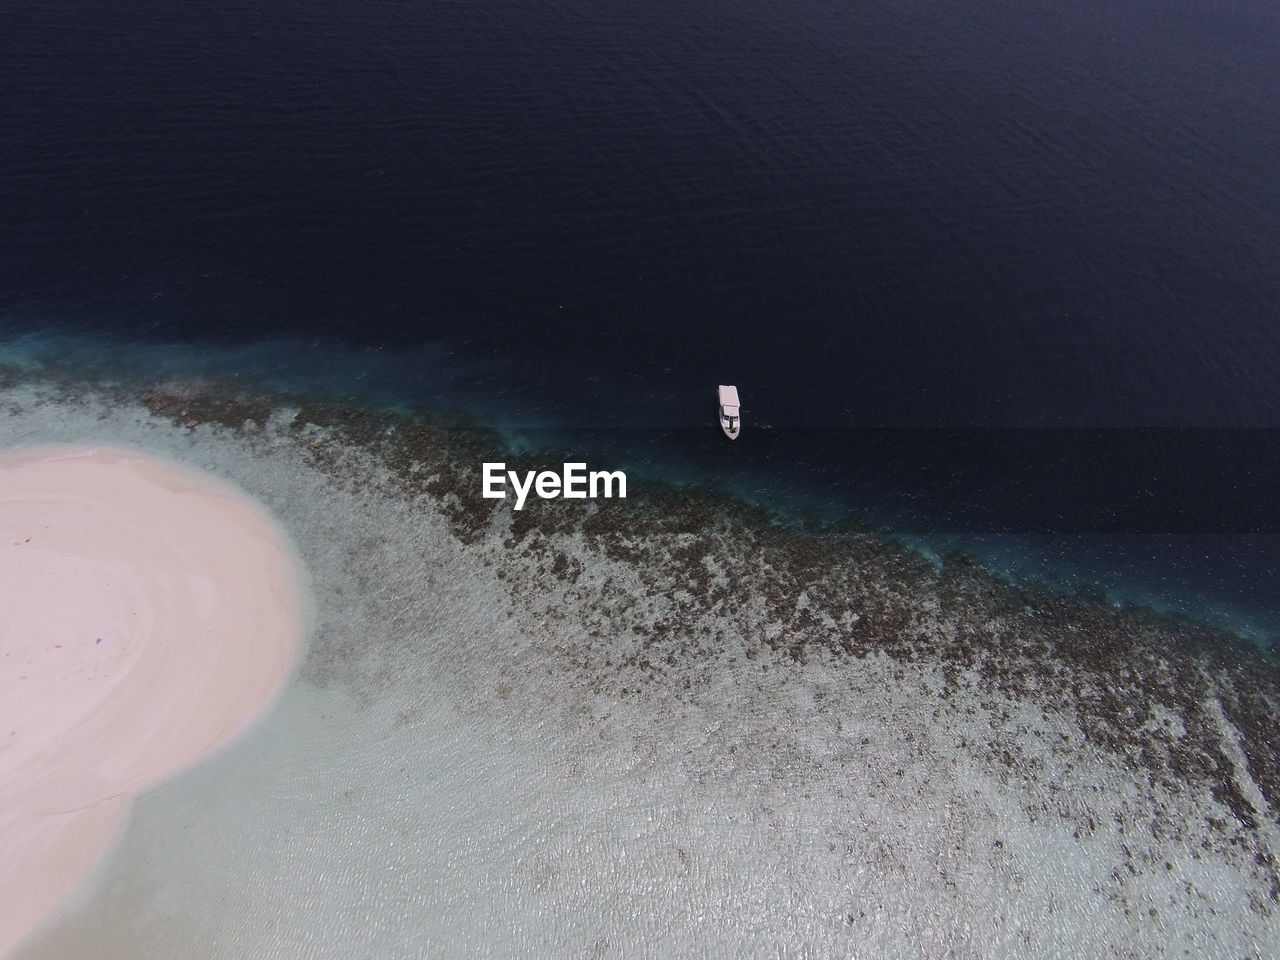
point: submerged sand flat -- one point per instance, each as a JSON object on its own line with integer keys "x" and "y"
{"x": 666, "y": 727}
{"x": 150, "y": 613}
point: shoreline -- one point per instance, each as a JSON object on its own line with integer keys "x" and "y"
{"x": 189, "y": 401}
{"x": 153, "y": 614}
{"x": 207, "y": 395}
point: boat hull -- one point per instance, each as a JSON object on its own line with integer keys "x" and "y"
{"x": 730, "y": 411}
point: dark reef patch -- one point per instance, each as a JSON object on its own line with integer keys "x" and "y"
{"x": 1117, "y": 674}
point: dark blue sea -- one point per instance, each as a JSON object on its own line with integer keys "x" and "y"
{"x": 1002, "y": 278}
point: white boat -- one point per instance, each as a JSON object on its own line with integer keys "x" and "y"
{"x": 730, "y": 419}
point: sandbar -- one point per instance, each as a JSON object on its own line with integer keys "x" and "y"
{"x": 151, "y": 613}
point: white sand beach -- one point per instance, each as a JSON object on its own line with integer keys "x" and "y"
{"x": 151, "y": 614}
